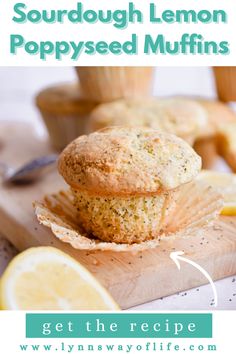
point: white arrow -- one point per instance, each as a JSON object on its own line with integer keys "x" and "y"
{"x": 176, "y": 257}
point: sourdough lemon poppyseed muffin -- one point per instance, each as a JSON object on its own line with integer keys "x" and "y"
{"x": 124, "y": 180}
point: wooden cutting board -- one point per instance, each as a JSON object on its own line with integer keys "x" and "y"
{"x": 132, "y": 279}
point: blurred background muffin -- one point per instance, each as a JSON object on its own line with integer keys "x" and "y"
{"x": 184, "y": 81}
{"x": 65, "y": 113}
{"x": 226, "y": 143}
{"x": 182, "y": 117}
{"x": 105, "y": 83}
{"x": 218, "y": 114}
{"x": 196, "y": 120}
{"x": 225, "y": 77}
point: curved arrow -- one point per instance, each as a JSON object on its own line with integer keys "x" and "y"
{"x": 176, "y": 257}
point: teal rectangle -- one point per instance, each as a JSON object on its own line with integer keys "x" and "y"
{"x": 118, "y": 325}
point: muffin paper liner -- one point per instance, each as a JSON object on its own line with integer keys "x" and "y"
{"x": 63, "y": 129}
{"x": 197, "y": 206}
{"x": 105, "y": 83}
{"x": 225, "y": 77}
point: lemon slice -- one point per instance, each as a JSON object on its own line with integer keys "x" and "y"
{"x": 45, "y": 278}
{"x": 225, "y": 183}
{"x": 229, "y": 209}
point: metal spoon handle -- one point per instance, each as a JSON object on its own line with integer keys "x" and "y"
{"x": 31, "y": 170}
{"x": 4, "y": 168}
{"x": 38, "y": 163}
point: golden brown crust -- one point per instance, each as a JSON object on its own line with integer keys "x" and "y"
{"x": 64, "y": 99}
{"x": 180, "y": 116}
{"x": 126, "y": 161}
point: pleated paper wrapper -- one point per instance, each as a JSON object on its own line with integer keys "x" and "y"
{"x": 197, "y": 206}
{"x": 105, "y": 84}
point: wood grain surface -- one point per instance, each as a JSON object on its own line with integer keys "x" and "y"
{"x": 132, "y": 279}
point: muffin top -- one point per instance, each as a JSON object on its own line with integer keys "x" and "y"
{"x": 64, "y": 99}
{"x": 180, "y": 116}
{"x": 128, "y": 161}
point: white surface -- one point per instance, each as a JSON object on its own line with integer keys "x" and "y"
{"x": 17, "y": 90}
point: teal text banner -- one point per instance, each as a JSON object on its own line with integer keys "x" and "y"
{"x": 119, "y": 325}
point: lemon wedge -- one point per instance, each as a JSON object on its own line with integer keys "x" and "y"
{"x": 45, "y": 278}
{"x": 225, "y": 183}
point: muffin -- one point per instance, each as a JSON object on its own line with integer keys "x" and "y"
{"x": 225, "y": 78}
{"x": 65, "y": 113}
{"x": 182, "y": 117}
{"x": 207, "y": 149}
{"x": 124, "y": 180}
{"x": 103, "y": 83}
{"x": 218, "y": 113}
{"x": 226, "y": 143}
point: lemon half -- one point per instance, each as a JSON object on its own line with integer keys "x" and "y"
{"x": 45, "y": 278}
{"x": 225, "y": 183}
